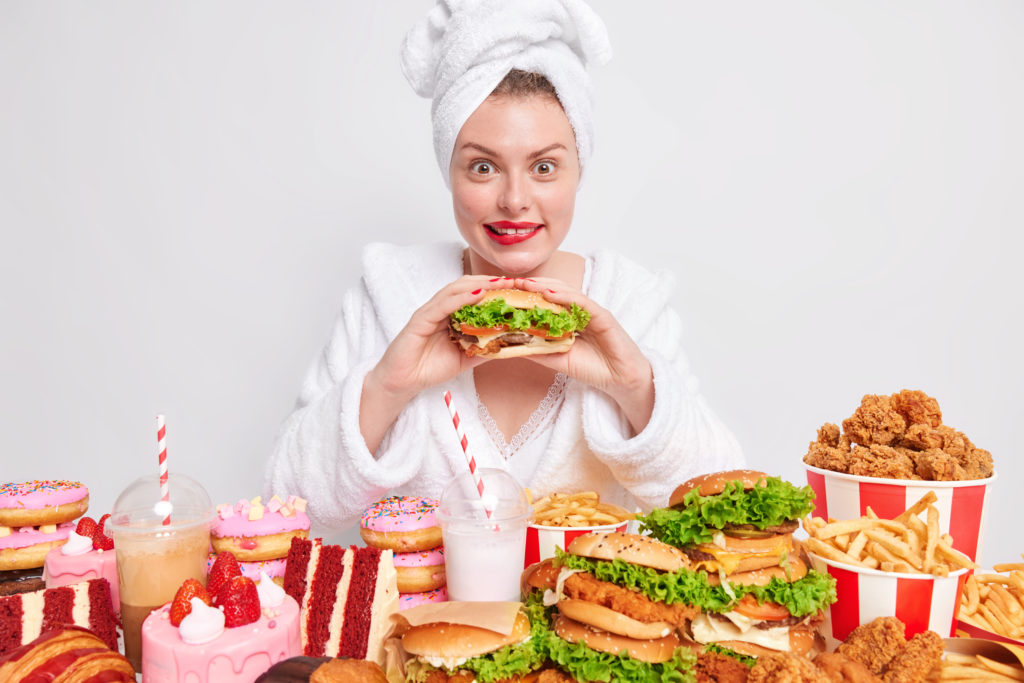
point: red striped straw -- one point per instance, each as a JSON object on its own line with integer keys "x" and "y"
{"x": 464, "y": 442}
{"x": 161, "y": 441}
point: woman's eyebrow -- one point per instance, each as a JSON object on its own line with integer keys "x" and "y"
{"x": 480, "y": 148}
{"x": 541, "y": 152}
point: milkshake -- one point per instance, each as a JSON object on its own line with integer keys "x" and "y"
{"x": 484, "y": 555}
{"x": 153, "y": 558}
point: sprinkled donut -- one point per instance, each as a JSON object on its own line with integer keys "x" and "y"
{"x": 35, "y": 503}
{"x": 26, "y": 547}
{"x": 255, "y": 532}
{"x": 420, "y": 570}
{"x": 401, "y": 523}
{"x": 407, "y": 600}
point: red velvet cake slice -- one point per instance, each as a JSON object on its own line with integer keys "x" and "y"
{"x": 347, "y": 598}
{"x": 23, "y": 617}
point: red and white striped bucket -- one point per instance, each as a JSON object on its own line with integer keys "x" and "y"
{"x": 923, "y": 602}
{"x": 541, "y": 541}
{"x": 962, "y": 504}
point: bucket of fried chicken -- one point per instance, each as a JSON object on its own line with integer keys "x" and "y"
{"x": 892, "y": 451}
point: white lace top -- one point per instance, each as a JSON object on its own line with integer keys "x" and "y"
{"x": 522, "y": 454}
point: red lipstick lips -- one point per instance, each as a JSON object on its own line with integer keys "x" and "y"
{"x": 509, "y": 232}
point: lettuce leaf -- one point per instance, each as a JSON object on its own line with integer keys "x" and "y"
{"x": 803, "y": 597}
{"x": 699, "y": 517}
{"x": 495, "y": 312}
{"x": 585, "y": 664}
{"x": 718, "y": 649}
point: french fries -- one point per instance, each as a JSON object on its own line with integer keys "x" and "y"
{"x": 957, "y": 667}
{"x": 907, "y": 544}
{"x": 995, "y": 602}
{"x": 575, "y": 510}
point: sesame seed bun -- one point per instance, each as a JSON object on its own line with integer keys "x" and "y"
{"x": 715, "y": 482}
{"x": 520, "y": 298}
{"x": 632, "y": 548}
{"x": 653, "y": 651}
{"x": 605, "y": 619}
{"x": 451, "y": 641}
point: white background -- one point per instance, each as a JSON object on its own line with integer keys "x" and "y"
{"x": 185, "y": 188}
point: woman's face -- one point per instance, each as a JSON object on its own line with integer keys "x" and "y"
{"x": 514, "y": 174}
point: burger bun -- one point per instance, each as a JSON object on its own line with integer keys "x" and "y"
{"x": 453, "y": 641}
{"x": 715, "y": 482}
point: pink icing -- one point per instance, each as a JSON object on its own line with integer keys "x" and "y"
{"x": 237, "y": 654}
{"x": 400, "y": 513}
{"x": 25, "y": 536}
{"x": 273, "y": 568}
{"x": 35, "y": 495}
{"x": 424, "y": 558}
{"x": 61, "y": 570}
{"x": 407, "y": 600}
{"x": 239, "y": 525}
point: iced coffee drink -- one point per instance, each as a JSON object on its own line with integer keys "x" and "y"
{"x": 154, "y": 558}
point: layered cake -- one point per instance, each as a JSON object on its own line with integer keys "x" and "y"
{"x": 87, "y": 554}
{"x": 245, "y": 630}
{"x": 68, "y": 655}
{"x": 347, "y": 598}
{"x": 25, "y": 616}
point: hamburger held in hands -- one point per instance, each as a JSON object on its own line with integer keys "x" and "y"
{"x": 755, "y": 593}
{"x": 507, "y": 323}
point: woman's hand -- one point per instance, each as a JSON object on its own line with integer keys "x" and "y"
{"x": 604, "y": 356}
{"x": 420, "y": 356}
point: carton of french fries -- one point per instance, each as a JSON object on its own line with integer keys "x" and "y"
{"x": 992, "y": 604}
{"x": 971, "y": 659}
{"x": 904, "y": 567}
{"x": 560, "y": 517}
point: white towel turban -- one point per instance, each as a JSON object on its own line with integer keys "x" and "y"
{"x": 462, "y": 50}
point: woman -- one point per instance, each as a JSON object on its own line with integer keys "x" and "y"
{"x": 618, "y": 413}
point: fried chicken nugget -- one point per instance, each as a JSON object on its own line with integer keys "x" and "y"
{"x": 841, "y": 669}
{"x": 784, "y": 667}
{"x": 937, "y": 465}
{"x": 917, "y": 407}
{"x": 827, "y": 457}
{"x": 880, "y": 461}
{"x": 875, "y": 643}
{"x": 915, "y": 660}
{"x": 875, "y": 422}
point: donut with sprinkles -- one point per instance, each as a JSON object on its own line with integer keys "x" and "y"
{"x": 401, "y": 523}
{"x": 36, "y": 503}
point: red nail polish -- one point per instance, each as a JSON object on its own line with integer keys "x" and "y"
{"x": 552, "y": 291}
{"x": 476, "y": 291}
{"x": 530, "y": 279}
{"x": 494, "y": 279}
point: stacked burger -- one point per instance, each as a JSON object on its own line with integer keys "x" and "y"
{"x": 755, "y": 593}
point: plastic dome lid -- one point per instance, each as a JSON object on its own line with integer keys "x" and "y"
{"x": 140, "y": 504}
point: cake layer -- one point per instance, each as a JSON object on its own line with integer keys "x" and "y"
{"x": 23, "y": 617}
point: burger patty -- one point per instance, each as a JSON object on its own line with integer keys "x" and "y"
{"x": 584, "y": 586}
{"x": 786, "y": 527}
{"x": 812, "y": 620}
{"x": 507, "y": 339}
{"x": 698, "y": 555}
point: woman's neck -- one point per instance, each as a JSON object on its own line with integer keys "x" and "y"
{"x": 562, "y": 265}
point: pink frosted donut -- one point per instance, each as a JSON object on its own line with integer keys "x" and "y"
{"x": 268, "y": 537}
{"x": 401, "y": 523}
{"x": 420, "y": 571}
{"x": 407, "y": 600}
{"x": 26, "y": 547}
{"x": 35, "y": 503}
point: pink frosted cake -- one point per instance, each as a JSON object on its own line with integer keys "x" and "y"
{"x": 254, "y": 532}
{"x": 272, "y": 568}
{"x": 216, "y": 654}
{"x": 77, "y": 561}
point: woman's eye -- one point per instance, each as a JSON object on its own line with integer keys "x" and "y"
{"x": 481, "y": 168}
{"x": 544, "y": 168}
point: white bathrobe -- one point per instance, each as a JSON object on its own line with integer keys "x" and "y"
{"x": 321, "y": 455}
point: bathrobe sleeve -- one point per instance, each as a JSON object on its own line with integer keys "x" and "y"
{"x": 683, "y": 437}
{"x": 320, "y": 453}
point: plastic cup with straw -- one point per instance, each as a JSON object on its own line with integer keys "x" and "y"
{"x": 483, "y": 552}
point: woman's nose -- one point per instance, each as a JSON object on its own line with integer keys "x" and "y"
{"x": 514, "y": 195}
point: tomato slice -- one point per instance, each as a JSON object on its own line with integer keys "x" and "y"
{"x": 768, "y": 611}
{"x": 537, "y": 332}
{"x": 477, "y": 331}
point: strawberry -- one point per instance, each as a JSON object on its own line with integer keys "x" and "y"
{"x": 239, "y": 600}
{"x": 182, "y": 603}
{"x": 225, "y": 567}
{"x": 86, "y": 527}
{"x": 100, "y": 539}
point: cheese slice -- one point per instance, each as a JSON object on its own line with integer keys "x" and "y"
{"x": 738, "y": 627}
{"x": 729, "y": 560}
